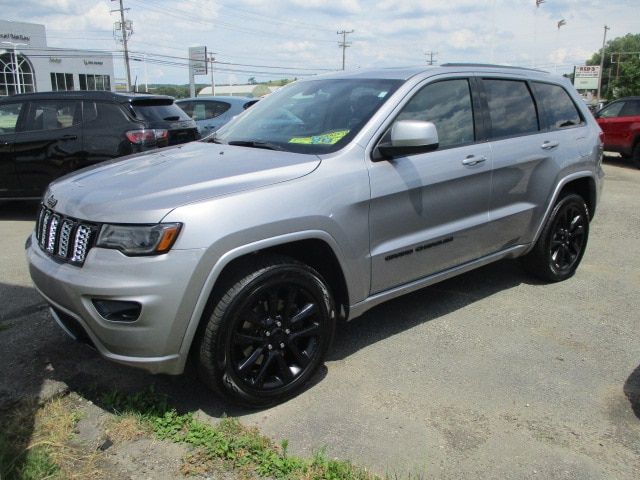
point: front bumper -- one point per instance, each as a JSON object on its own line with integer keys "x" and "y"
{"x": 165, "y": 286}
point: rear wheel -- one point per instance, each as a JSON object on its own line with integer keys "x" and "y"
{"x": 559, "y": 250}
{"x": 635, "y": 156}
{"x": 267, "y": 333}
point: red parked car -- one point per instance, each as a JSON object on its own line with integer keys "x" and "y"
{"x": 620, "y": 122}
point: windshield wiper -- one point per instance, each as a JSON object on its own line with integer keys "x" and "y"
{"x": 252, "y": 144}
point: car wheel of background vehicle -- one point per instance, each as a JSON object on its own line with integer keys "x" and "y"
{"x": 557, "y": 253}
{"x": 635, "y": 156}
{"x": 267, "y": 331}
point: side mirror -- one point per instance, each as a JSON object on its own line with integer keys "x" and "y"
{"x": 409, "y": 137}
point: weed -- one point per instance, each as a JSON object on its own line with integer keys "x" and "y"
{"x": 37, "y": 441}
{"x": 229, "y": 445}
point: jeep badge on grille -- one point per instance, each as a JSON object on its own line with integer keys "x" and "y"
{"x": 51, "y": 201}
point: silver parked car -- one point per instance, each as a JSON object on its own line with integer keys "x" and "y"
{"x": 210, "y": 113}
{"x": 328, "y": 197}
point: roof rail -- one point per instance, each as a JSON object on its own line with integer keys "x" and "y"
{"x": 489, "y": 65}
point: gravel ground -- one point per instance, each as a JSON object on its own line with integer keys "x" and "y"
{"x": 491, "y": 375}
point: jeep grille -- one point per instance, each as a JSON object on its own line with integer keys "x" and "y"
{"x": 64, "y": 238}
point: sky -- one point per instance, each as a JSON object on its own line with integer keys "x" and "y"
{"x": 275, "y": 39}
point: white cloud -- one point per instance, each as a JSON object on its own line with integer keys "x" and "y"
{"x": 300, "y": 36}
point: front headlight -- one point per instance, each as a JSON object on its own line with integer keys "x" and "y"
{"x": 139, "y": 239}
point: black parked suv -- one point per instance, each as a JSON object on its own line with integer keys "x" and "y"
{"x": 46, "y": 135}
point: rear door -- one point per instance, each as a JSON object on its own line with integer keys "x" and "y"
{"x": 49, "y": 146}
{"x": 9, "y": 181}
{"x": 429, "y": 212}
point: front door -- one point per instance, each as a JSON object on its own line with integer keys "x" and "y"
{"x": 429, "y": 212}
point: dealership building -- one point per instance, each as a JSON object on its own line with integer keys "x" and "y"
{"x": 27, "y": 64}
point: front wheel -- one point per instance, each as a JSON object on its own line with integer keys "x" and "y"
{"x": 268, "y": 331}
{"x": 557, "y": 253}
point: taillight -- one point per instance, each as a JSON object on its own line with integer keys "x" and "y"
{"x": 139, "y": 137}
{"x": 161, "y": 133}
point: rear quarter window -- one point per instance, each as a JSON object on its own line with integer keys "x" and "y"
{"x": 158, "y": 111}
{"x": 559, "y": 109}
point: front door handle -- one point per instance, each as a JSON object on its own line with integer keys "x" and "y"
{"x": 473, "y": 160}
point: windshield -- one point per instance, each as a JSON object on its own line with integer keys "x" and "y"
{"x": 318, "y": 116}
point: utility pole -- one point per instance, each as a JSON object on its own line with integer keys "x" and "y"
{"x": 431, "y": 60}
{"x": 604, "y": 41}
{"x": 344, "y": 44}
{"x": 124, "y": 27}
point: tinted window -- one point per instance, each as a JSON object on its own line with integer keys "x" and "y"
{"x": 448, "y": 105}
{"x": 611, "y": 111}
{"x": 51, "y": 114}
{"x": 163, "y": 110}
{"x": 560, "y": 110}
{"x": 511, "y": 108}
{"x": 631, "y": 108}
{"x": 108, "y": 114}
{"x": 204, "y": 110}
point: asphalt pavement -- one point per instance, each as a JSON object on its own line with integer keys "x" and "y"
{"x": 491, "y": 375}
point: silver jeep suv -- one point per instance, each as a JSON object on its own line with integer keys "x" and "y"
{"x": 323, "y": 200}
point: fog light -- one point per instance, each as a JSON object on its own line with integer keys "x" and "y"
{"x": 117, "y": 310}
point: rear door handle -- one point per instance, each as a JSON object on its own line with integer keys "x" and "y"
{"x": 473, "y": 160}
{"x": 64, "y": 138}
{"x": 549, "y": 145}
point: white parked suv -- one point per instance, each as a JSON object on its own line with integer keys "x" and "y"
{"x": 321, "y": 201}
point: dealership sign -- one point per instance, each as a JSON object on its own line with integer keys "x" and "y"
{"x": 198, "y": 60}
{"x": 586, "y": 78}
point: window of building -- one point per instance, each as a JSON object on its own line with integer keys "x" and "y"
{"x": 61, "y": 81}
{"x": 12, "y": 80}
{"x": 95, "y": 82}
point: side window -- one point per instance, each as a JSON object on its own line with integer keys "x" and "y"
{"x": 50, "y": 114}
{"x": 215, "y": 109}
{"x": 448, "y": 105}
{"x": 611, "y": 111}
{"x": 631, "y": 109}
{"x": 560, "y": 110}
{"x": 9, "y": 114}
{"x": 108, "y": 114}
{"x": 511, "y": 107}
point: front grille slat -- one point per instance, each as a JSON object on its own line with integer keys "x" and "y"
{"x": 65, "y": 238}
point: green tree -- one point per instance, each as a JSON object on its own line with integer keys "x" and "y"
{"x": 621, "y": 67}
{"x": 260, "y": 90}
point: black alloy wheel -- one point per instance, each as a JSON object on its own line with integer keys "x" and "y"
{"x": 268, "y": 334}
{"x": 562, "y": 243}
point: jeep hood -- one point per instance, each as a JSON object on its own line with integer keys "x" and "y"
{"x": 144, "y": 188}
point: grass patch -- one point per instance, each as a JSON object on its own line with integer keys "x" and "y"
{"x": 37, "y": 441}
{"x": 229, "y": 445}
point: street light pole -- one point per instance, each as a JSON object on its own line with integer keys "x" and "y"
{"x": 604, "y": 41}
{"x": 16, "y": 67}
{"x": 212, "y": 59}
{"x": 561, "y": 23}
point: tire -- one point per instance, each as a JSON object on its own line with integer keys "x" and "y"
{"x": 635, "y": 156}
{"x": 562, "y": 243}
{"x": 267, "y": 333}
